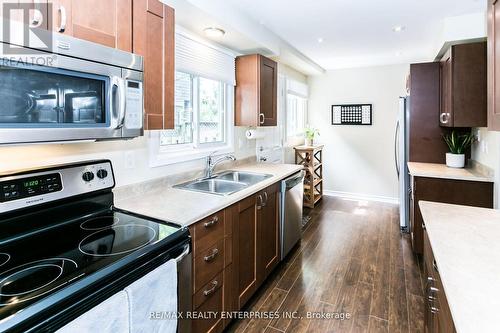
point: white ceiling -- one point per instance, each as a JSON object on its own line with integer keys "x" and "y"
{"x": 359, "y": 33}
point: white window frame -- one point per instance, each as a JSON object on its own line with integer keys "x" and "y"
{"x": 306, "y": 113}
{"x": 176, "y": 153}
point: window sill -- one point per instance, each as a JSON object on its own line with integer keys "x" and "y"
{"x": 164, "y": 155}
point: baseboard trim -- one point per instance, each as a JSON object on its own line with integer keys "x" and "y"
{"x": 359, "y": 196}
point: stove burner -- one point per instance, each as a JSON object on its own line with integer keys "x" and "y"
{"x": 4, "y": 258}
{"x": 100, "y": 222}
{"x": 117, "y": 240}
{"x": 22, "y": 282}
{"x": 33, "y": 278}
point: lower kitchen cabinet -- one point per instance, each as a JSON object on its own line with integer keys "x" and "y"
{"x": 437, "y": 312}
{"x": 458, "y": 192}
{"x": 210, "y": 258}
{"x": 268, "y": 228}
{"x": 255, "y": 242}
{"x": 234, "y": 251}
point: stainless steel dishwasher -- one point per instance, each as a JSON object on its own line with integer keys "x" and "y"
{"x": 292, "y": 196}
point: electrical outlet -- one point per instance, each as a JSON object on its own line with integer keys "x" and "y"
{"x": 484, "y": 147}
{"x": 129, "y": 160}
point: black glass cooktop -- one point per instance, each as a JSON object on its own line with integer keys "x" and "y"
{"x": 45, "y": 261}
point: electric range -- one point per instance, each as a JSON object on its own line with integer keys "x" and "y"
{"x": 64, "y": 247}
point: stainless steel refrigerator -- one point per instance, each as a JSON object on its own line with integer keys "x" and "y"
{"x": 401, "y": 157}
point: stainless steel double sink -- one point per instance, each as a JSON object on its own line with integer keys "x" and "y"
{"x": 224, "y": 183}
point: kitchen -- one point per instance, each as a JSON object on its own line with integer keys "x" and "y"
{"x": 210, "y": 166}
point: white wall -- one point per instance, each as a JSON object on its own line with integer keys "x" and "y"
{"x": 130, "y": 158}
{"x": 487, "y": 152}
{"x": 358, "y": 160}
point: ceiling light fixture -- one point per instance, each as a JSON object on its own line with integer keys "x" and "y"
{"x": 320, "y": 40}
{"x": 398, "y": 28}
{"x": 214, "y": 32}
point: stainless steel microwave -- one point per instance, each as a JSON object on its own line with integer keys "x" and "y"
{"x": 77, "y": 90}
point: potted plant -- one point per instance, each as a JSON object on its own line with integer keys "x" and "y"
{"x": 310, "y": 133}
{"x": 457, "y": 143}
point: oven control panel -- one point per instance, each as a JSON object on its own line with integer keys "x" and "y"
{"x": 24, "y": 189}
{"x": 30, "y": 186}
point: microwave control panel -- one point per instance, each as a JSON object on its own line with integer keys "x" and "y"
{"x": 134, "y": 114}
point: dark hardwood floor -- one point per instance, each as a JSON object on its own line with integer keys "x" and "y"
{"x": 352, "y": 260}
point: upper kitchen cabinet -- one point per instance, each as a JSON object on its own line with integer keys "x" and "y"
{"x": 464, "y": 86}
{"x": 256, "y": 91}
{"x": 153, "y": 38}
{"x": 493, "y": 65}
{"x": 104, "y": 22}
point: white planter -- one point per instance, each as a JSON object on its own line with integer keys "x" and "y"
{"x": 455, "y": 160}
{"x": 309, "y": 142}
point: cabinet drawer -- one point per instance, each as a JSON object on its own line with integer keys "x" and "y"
{"x": 207, "y": 232}
{"x": 208, "y": 263}
{"x": 213, "y": 307}
{"x": 208, "y": 291}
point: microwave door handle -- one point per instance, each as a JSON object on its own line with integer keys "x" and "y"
{"x": 122, "y": 103}
{"x": 117, "y": 101}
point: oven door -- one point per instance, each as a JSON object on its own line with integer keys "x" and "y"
{"x": 77, "y": 100}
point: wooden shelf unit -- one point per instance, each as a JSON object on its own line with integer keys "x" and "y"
{"x": 311, "y": 158}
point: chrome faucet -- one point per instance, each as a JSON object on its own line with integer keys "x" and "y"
{"x": 211, "y": 163}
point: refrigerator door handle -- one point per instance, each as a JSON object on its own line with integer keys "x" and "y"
{"x": 396, "y": 154}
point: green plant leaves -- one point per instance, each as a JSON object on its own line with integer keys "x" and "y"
{"x": 458, "y": 143}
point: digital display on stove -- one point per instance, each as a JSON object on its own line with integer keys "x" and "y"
{"x": 30, "y": 186}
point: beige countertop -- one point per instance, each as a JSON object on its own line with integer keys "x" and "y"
{"x": 433, "y": 170}
{"x": 466, "y": 245}
{"x": 186, "y": 207}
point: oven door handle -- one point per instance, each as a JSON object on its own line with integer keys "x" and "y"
{"x": 118, "y": 101}
{"x": 183, "y": 254}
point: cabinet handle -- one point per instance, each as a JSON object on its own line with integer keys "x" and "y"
{"x": 433, "y": 290}
{"x": 443, "y": 118}
{"x": 430, "y": 280}
{"x": 423, "y": 227}
{"x": 431, "y": 298}
{"x": 262, "y": 118}
{"x": 211, "y": 290}
{"x": 265, "y": 200}
{"x": 434, "y": 310}
{"x": 62, "y": 27}
{"x": 214, "y": 220}
{"x": 260, "y": 203}
{"x": 212, "y": 256}
{"x": 37, "y": 16}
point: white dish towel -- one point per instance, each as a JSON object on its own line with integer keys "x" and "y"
{"x": 110, "y": 316}
{"x": 155, "y": 293}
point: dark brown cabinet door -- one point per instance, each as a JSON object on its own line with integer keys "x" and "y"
{"x": 268, "y": 92}
{"x": 463, "y": 86}
{"x": 493, "y": 65}
{"x": 426, "y": 136}
{"x": 153, "y": 38}
{"x": 246, "y": 250}
{"x": 268, "y": 227}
